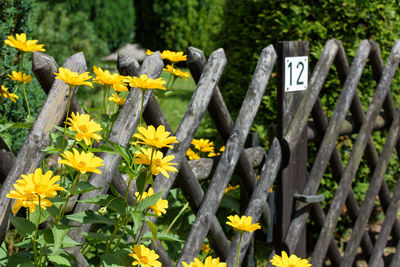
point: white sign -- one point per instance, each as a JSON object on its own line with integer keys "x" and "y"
{"x": 296, "y": 74}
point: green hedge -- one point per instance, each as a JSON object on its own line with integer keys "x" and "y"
{"x": 249, "y": 26}
{"x": 17, "y": 17}
{"x": 177, "y": 24}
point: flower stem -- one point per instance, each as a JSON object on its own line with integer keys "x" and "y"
{"x": 238, "y": 256}
{"x": 141, "y": 108}
{"x": 176, "y": 218}
{"x": 21, "y": 68}
{"x": 66, "y": 116}
{"x": 64, "y": 207}
{"x": 35, "y": 256}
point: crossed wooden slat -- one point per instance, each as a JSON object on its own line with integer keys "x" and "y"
{"x": 327, "y": 144}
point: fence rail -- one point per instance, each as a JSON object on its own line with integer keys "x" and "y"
{"x": 285, "y": 164}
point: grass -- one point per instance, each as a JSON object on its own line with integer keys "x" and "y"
{"x": 175, "y": 105}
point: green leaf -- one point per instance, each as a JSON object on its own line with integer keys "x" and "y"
{"x": 59, "y": 233}
{"x": 60, "y": 260}
{"x": 88, "y": 217}
{"x": 35, "y": 216}
{"x": 137, "y": 219}
{"x": 123, "y": 152}
{"x": 5, "y": 126}
{"x": 141, "y": 182}
{"x": 103, "y": 148}
{"x": 153, "y": 229}
{"x": 24, "y": 227}
{"x": 69, "y": 242}
{"x": 20, "y": 259}
{"x": 149, "y": 201}
{"x": 83, "y": 187}
{"x": 163, "y": 236}
{"x": 97, "y": 236}
{"x": 114, "y": 203}
{"x": 117, "y": 258}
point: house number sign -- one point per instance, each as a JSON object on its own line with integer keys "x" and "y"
{"x": 296, "y": 74}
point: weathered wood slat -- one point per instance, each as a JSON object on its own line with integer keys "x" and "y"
{"x": 334, "y": 252}
{"x": 121, "y": 133}
{"x": 370, "y": 196}
{"x": 355, "y": 157}
{"x": 389, "y": 108}
{"x": 292, "y": 177}
{"x": 44, "y": 67}
{"x": 396, "y": 257}
{"x": 230, "y": 156}
{"x": 202, "y": 167}
{"x": 257, "y": 201}
{"x": 191, "y": 122}
{"x": 190, "y": 187}
{"x": 193, "y": 115}
{"x": 338, "y": 170}
{"x": 299, "y": 121}
{"x": 7, "y": 160}
{"x": 348, "y": 127}
{"x": 52, "y": 113}
{"x": 390, "y": 218}
{"x": 220, "y": 114}
{"x": 153, "y": 115}
{"x": 329, "y": 141}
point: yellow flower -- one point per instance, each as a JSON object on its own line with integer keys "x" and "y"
{"x": 222, "y": 149}
{"x": 242, "y": 224}
{"x": 144, "y": 256}
{"x": 213, "y": 154}
{"x": 192, "y": 155}
{"x": 118, "y": 100}
{"x": 22, "y": 44}
{"x": 156, "y": 138}
{"x": 31, "y": 186}
{"x": 203, "y": 145}
{"x": 85, "y": 127}
{"x": 195, "y": 263}
{"x": 82, "y": 162}
{"x": 73, "y": 78}
{"x": 17, "y": 76}
{"x": 209, "y": 262}
{"x": 177, "y": 72}
{"x": 106, "y": 78}
{"x": 5, "y": 94}
{"x": 205, "y": 247}
{"x": 145, "y": 83}
{"x": 173, "y": 56}
{"x": 159, "y": 207}
{"x": 149, "y": 52}
{"x": 120, "y": 87}
{"x": 159, "y": 163}
{"x": 292, "y": 261}
{"x": 230, "y": 188}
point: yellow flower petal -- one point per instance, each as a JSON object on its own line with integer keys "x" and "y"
{"x": 22, "y": 44}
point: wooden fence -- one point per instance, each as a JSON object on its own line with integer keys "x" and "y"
{"x": 285, "y": 165}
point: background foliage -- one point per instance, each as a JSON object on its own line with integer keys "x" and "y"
{"x": 17, "y": 17}
{"x": 177, "y": 24}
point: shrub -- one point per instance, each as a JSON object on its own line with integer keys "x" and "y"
{"x": 17, "y": 17}
{"x": 177, "y": 24}
{"x": 65, "y": 34}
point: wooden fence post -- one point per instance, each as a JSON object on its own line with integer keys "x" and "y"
{"x": 292, "y": 177}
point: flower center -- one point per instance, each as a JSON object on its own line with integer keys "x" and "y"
{"x": 83, "y": 128}
{"x": 29, "y": 196}
{"x": 144, "y": 260}
{"x": 81, "y": 165}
